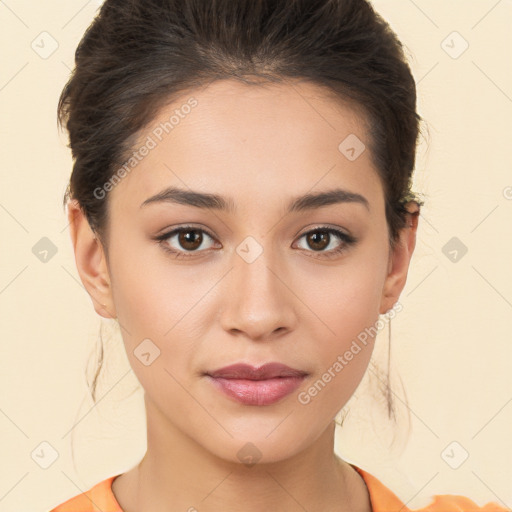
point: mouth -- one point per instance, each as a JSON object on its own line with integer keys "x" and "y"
{"x": 250, "y": 385}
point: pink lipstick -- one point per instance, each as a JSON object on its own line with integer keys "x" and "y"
{"x": 250, "y": 385}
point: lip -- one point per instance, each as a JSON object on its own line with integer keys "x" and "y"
{"x": 252, "y": 385}
{"x": 266, "y": 371}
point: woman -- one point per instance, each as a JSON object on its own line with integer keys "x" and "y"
{"x": 241, "y": 203}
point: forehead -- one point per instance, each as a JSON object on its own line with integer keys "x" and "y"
{"x": 251, "y": 141}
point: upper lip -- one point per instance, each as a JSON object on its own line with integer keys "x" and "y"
{"x": 266, "y": 371}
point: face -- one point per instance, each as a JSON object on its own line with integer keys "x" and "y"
{"x": 250, "y": 279}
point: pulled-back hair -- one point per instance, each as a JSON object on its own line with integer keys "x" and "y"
{"x": 138, "y": 55}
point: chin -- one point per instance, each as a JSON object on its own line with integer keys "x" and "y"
{"x": 258, "y": 447}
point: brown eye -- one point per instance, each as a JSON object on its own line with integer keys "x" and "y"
{"x": 327, "y": 242}
{"x": 190, "y": 239}
{"x": 185, "y": 241}
{"x": 318, "y": 240}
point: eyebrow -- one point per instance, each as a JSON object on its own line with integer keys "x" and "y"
{"x": 214, "y": 201}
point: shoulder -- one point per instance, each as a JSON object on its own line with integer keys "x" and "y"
{"x": 98, "y": 498}
{"x": 384, "y": 500}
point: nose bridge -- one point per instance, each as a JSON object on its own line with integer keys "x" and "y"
{"x": 257, "y": 302}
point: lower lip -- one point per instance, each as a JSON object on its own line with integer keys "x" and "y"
{"x": 258, "y": 392}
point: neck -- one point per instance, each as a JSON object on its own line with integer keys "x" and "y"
{"x": 178, "y": 474}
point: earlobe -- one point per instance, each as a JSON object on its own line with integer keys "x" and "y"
{"x": 90, "y": 261}
{"x": 399, "y": 261}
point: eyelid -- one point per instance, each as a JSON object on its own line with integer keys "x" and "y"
{"x": 168, "y": 231}
{"x": 325, "y": 227}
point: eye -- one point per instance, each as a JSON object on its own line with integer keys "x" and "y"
{"x": 186, "y": 239}
{"x": 182, "y": 242}
{"x": 323, "y": 237}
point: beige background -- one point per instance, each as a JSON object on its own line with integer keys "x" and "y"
{"x": 451, "y": 344}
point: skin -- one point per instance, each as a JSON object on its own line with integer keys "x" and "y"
{"x": 260, "y": 146}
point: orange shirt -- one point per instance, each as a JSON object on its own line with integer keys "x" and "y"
{"x": 100, "y": 498}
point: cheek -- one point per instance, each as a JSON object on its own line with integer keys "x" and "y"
{"x": 342, "y": 354}
{"x": 347, "y": 305}
{"x": 345, "y": 299}
{"x": 161, "y": 301}
{"x": 147, "y": 287}
{"x": 154, "y": 302}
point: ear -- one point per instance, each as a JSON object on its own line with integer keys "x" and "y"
{"x": 399, "y": 260}
{"x": 90, "y": 261}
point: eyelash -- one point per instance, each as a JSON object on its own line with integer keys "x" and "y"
{"x": 348, "y": 240}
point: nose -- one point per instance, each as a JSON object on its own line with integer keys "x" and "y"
{"x": 257, "y": 301}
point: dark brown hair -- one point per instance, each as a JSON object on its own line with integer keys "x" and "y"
{"x": 137, "y": 55}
